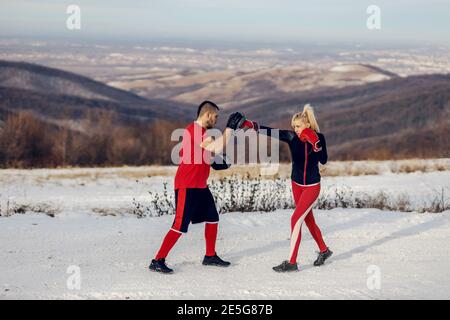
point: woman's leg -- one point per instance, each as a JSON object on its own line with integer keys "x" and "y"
{"x": 297, "y": 192}
{"x": 315, "y": 231}
{"x": 306, "y": 196}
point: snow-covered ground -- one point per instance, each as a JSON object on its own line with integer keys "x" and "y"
{"x": 87, "y": 190}
{"x": 410, "y": 253}
{"x": 39, "y": 255}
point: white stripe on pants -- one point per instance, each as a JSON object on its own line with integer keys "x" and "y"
{"x": 297, "y": 228}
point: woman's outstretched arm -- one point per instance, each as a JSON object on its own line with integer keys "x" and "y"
{"x": 283, "y": 135}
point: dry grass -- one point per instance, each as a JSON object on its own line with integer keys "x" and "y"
{"x": 346, "y": 168}
{"x": 10, "y": 208}
{"x": 85, "y": 174}
{"x": 331, "y": 169}
{"x": 110, "y": 172}
{"x": 358, "y": 168}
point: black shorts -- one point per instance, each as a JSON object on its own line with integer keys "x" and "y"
{"x": 193, "y": 205}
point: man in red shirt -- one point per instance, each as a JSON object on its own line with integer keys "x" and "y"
{"x": 193, "y": 199}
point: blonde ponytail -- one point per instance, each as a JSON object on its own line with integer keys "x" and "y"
{"x": 307, "y": 116}
{"x": 308, "y": 113}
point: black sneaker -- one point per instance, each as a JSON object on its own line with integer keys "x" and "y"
{"x": 160, "y": 266}
{"x": 322, "y": 257}
{"x": 285, "y": 266}
{"x": 215, "y": 261}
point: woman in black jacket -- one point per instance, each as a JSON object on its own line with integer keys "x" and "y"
{"x": 308, "y": 148}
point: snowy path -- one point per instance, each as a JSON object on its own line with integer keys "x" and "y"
{"x": 411, "y": 250}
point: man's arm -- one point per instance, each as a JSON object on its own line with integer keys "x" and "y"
{"x": 235, "y": 121}
{"x": 216, "y": 146}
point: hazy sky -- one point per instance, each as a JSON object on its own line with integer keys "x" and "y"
{"x": 413, "y": 21}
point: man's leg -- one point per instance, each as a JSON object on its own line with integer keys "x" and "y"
{"x": 169, "y": 241}
{"x": 210, "y": 237}
{"x": 211, "y": 219}
{"x": 179, "y": 225}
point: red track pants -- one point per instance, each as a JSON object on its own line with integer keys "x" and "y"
{"x": 304, "y": 197}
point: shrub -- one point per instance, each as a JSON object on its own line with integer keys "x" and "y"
{"x": 237, "y": 194}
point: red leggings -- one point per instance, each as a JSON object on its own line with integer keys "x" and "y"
{"x": 304, "y": 197}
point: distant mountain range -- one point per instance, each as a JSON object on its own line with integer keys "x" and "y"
{"x": 232, "y": 88}
{"x": 365, "y": 112}
{"x": 396, "y": 118}
{"x": 54, "y": 94}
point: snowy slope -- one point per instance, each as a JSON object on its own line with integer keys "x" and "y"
{"x": 411, "y": 251}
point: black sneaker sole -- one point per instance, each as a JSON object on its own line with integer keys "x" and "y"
{"x": 284, "y": 271}
{"x": 159, "y": 271}
{"x": 216, "y": 265}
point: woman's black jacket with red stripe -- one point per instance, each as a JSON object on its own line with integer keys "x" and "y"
{"x": 305, "y": 162}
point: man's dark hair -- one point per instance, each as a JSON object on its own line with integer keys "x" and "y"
{"x": 206, "y": 106}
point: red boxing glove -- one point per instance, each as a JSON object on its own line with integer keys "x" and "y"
{"x": 311, "y": 136}
{"x": 250, "y": 125}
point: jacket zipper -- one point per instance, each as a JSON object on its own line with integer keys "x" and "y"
{"x": 306, "y": 162}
